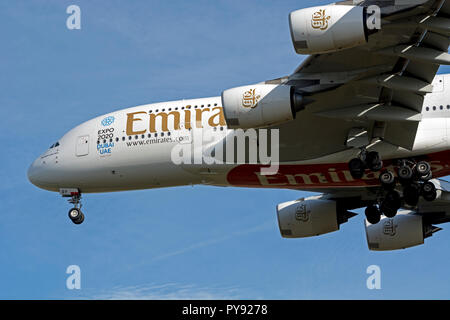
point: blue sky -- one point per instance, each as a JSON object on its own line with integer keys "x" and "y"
{"x": 189, "y": 242}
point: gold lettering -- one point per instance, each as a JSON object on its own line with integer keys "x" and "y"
{"x": 187, "y": 119}
{"x": 130, "y": 122}
{"x": 250, "y": 99}
{"x": 214, "y": 116}
{"x": 164, "y": 121}
{"x": 198, "y": 117}
{"x": 221, "y": 117}
{"x": 320, "y": 20}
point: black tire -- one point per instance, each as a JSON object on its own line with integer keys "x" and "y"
{"x": 76, "y": 215}
{"x": 79, "y": 220}
{"x": 373, "y": 161}
{"x": 411, "y": 194}
{"x": 427, "y": 177}
{"x": 373, "y": 214}
{"x": 429, "y": 192}
{"x": 405, "y": 173}
{"x": 357, "y": 168}
{"x": 423, "y": 168}
{"x": 377, "y": 167}
{"x": 387, "y": 179}
{"x": 391, "y": 204}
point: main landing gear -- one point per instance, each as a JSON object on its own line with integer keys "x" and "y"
{"x": 366, "y": 160}
{"x": 410, "y": 182}
{"x": 388, "y": 206}
{"x": 75, "y": 214}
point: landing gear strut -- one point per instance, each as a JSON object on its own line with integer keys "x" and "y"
{"x": 75, "y": 214}
{"x": 366, "y": 160}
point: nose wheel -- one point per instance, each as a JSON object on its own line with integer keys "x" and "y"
{"x": 75, "y": 214}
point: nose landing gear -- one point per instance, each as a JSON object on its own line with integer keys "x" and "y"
{"x": 75, "y": 214}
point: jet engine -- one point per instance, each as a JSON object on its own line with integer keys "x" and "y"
{"x": 328, "y": 28}
{"x": 260, "y": 105}
{"x": 405, "y": 230}
{"x": 310, "y": 217}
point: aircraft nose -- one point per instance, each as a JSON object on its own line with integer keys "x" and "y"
{"x": 35, "y": 174}
{"x": 41, "y": 175}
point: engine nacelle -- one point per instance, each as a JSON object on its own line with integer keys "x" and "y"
{"x": 328, "y": 28}
{"x": 310, "y": 217}
{"x": 405, "y": 230}
{"x": 260, "y": 105}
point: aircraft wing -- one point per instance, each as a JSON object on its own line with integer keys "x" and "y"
{"x": 380, "y": 85}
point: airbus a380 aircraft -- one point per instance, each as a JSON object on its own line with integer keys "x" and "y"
{"x": 364, "y": 120}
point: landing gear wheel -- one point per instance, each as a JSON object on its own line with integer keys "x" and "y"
{"x": 423, "y": 168}
{"x": 387, "y": 179}
{"x": 357, "y": 168}
{"x": 373, "y": 214}
{"x": 391, "y": 204}
{"x": 373, "y": 161}
{"x": 427, "y": 177}
{"x": 429, "y": 192}
{"x": 405, "y": 173}
{"x": 76, "y": 215}
{"x": 411, "y": 194}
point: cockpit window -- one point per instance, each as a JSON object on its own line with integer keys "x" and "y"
{"x": 54, "y": 145}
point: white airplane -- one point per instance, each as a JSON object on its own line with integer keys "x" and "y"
{"x": 364, "y": 120}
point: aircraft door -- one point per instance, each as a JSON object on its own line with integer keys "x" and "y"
{"x": 82, "y": 147}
